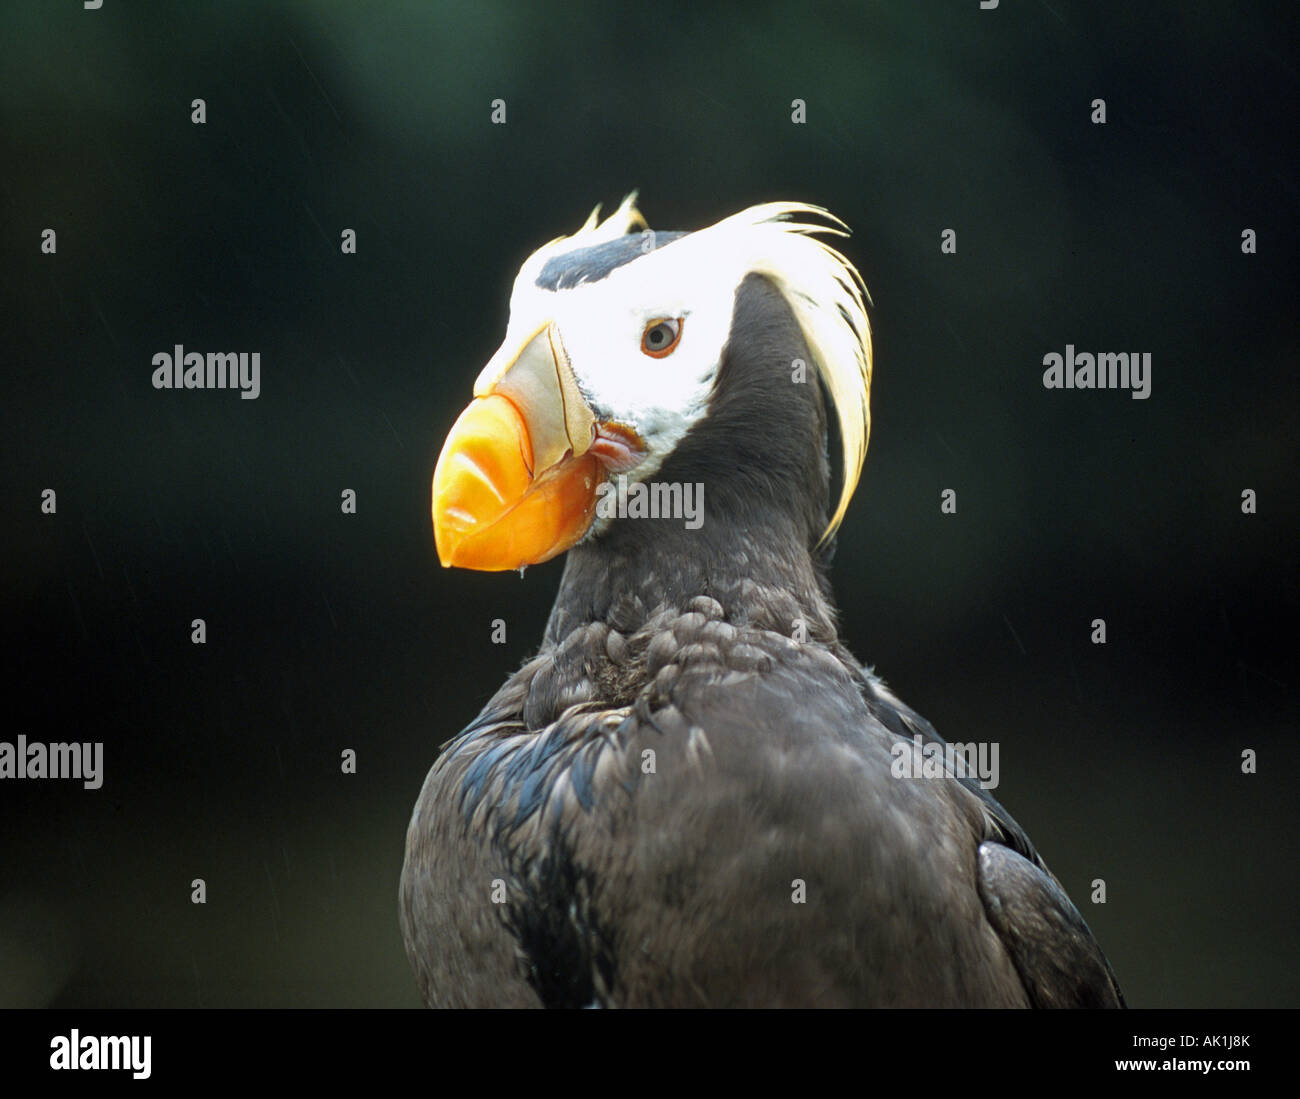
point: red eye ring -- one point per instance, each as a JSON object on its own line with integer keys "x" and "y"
{"x": 661, "y": 336}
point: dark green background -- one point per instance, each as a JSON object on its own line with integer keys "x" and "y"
{"x": 329, "y": 632}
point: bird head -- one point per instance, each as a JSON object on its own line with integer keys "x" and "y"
{"x": 612, "y": 355}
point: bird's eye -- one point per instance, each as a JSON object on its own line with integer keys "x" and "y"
{"x": 660, "y": 337}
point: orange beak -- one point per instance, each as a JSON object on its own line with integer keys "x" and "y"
{"x": 517, "y": 481}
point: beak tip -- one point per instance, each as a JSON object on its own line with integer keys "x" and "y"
{"x": 491, "y": 511}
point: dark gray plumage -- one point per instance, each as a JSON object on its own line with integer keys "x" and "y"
{"x": 596, "y": 261}
{"x": 771, "y": 764}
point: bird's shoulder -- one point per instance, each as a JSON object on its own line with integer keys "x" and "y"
{"x": 620, "y": 781}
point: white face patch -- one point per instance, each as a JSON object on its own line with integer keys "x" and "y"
{"x": 694, "y": 279}
{"x": 601, "y": 325}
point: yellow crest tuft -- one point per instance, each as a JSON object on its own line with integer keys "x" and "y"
{"x": 829, "y": 300}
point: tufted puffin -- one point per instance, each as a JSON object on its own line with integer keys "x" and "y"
{"x": 691, "y": 795}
